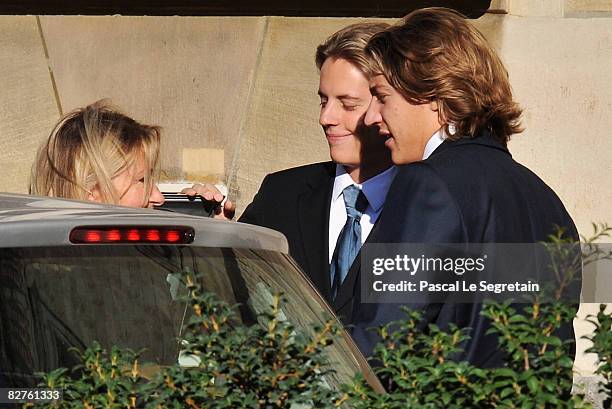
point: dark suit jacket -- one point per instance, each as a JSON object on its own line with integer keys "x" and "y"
{"x": 296, "y": 202}
{"x": 467, "y": 191}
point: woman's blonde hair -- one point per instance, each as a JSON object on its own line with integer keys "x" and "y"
{"x": 88, "y": 148}
{"x": 434, "y": 54}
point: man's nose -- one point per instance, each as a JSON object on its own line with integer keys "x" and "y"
{"x": 328, "y": 115}
{"x": 372, "y": 116}
{"x": 156, "y": 198}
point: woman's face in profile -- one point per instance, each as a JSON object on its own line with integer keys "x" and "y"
{"x": 130, "y": 186}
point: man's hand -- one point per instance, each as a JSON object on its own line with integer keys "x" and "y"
{"x": 212, "y": 194}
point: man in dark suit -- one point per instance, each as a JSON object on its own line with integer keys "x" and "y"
{"x": 444, "y": 106}
{"x": 307, "y": 203}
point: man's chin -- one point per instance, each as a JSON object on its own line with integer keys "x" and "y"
{"x": 401, "y": 158}
{"x": 341, "y": 157}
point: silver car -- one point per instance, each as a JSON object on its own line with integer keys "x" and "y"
{"x": 73, "y": 272}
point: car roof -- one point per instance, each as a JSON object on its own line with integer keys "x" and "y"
{"x": 32, "y": 221}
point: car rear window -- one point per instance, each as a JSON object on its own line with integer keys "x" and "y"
{"x": 55, "y": 298}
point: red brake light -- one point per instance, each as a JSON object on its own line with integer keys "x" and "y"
{"x": 132, "y": 234}
{"x": 153, "y": 235}
{"x": 113, "y": 235}
{"x": 173, "y": 236}
{"x": 93, "y": 236}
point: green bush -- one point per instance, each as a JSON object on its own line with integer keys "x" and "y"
{"x": 602, "y": 346}
{"x": 418, "y": 370}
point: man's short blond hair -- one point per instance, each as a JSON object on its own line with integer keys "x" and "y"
{"x": 349, "y": 44}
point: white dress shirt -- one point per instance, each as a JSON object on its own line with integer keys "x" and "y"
{"x": 433, "y": 143}
{"x": 374, "y": 189}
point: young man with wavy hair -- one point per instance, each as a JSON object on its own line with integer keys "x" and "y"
{"x": 443, "y": 103}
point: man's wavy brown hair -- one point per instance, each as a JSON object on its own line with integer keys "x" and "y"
{"x": 434, "y": 54}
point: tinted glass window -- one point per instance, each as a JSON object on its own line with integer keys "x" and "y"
{"x": 52, "y": 299}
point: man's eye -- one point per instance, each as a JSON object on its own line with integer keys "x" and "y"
{"x": 350, "y": 107}
{"x": 323, "y": 102}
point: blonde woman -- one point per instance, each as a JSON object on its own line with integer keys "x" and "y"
{"x": 97, "y": 153}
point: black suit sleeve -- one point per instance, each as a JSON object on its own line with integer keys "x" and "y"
{"x": 255, "y": 212}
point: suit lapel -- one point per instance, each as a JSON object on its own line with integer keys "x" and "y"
{"x": 313, "y": 215}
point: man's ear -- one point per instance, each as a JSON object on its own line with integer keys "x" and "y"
{"x": 95, "y": 195}
{"x": 435, "y": 107}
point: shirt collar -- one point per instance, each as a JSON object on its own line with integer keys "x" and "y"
{"x": 433, "y": 143}
{"x": 375, "y": 189}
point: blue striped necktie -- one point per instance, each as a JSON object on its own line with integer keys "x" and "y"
{"x": 349, "y": 240}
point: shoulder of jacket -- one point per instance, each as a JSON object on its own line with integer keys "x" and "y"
{"x": 303, "y": 172}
